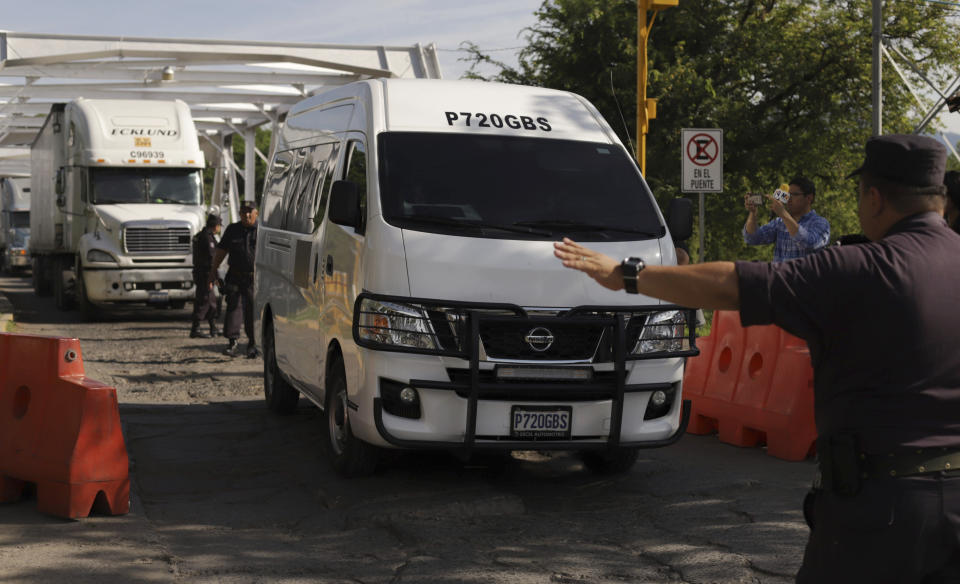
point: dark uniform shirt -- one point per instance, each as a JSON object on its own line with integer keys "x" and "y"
{"x": 204, "y": 245}
{"x": 240, "y": 243}
{"x": 882, "y": 321}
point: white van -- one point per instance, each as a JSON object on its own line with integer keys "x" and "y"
{"x": 406, "y": 283}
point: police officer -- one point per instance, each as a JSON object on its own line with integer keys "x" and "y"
{"x": 239, "y": 241}
{"x": 205, "y": 302}
{"x": 882, "y": 320}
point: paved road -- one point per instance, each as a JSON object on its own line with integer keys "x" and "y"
{"x": 225, "y": 492}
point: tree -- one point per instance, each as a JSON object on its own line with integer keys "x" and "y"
{"x": 787, "y": 80}
{"x": 262, "y": 142}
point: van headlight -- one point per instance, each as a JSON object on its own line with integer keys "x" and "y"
{"x": 664, "y": 332}
{"x": 96, "y": 255}
{"x": 394, "y": 324}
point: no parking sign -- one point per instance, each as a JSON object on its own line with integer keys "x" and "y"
{"x": 702, "y": 155}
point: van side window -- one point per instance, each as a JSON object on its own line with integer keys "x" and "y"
{"x": 357, "y": 173}
{"x": 298, "y": 176}
{"x": 325, "y": 158}
{"x": 307, "y": 205}
{"x": 273, "y": 189}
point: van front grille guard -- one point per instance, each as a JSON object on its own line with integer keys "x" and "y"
{"x": 615, "y": 325}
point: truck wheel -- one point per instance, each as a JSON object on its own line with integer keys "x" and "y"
{"x": 281, "y": 397}
{"x": 61, "y": 293}
{"x": 607, "y": 462}
{"x": 41, "y": 282}
{"x": 88, "y": 310}
{"x": 350, "y": 456}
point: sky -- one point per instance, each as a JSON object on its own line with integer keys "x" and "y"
{"x": 494, "y": 25}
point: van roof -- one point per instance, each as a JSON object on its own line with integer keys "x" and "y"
{"x": 459, "y": 106}
{"x": 490, "y": 108}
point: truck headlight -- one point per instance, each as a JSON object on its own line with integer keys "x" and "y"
{"x": 394, "y": 324}
{"x": 96, "y": 255}
{"x": 664, "y": 332}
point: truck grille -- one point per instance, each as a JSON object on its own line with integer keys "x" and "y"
{"x": 168, "y": 240}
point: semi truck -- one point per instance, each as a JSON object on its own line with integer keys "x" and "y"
{"x": 14, "y": 223}
{"x": 117, "y": 198}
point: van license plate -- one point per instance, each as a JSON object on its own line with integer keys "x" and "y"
{"x": 541, "y": 422}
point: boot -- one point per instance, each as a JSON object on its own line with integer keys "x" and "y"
{"x": 214, "y": 332}
{"x": 232, "y": 348}
{"x": 252, "y": 351}
{"x": 195, "y": 332}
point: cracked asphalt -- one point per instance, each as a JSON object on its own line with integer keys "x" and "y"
{"x": 223, "y": 491}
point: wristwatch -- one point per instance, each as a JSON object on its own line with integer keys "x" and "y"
{"x": 631, "y": 268}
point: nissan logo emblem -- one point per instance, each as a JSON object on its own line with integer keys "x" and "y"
{"x": 539, "y": 339}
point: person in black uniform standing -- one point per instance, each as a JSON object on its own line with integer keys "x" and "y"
{"x": 239, "y": 241}
{"x": 205, "y": 302}
{"x": 882, "y": 323}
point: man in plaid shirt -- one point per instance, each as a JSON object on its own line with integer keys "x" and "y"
{"x": 797, "y": 231}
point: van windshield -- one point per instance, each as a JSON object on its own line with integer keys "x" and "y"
{"x": 179, "y": 186}
{"x": 513, "y": 188}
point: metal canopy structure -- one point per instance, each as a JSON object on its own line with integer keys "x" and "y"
{"x": 231, "y": 86}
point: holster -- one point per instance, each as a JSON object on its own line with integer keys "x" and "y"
{"x": 840, "y": 464}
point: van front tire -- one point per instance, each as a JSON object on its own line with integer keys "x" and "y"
{"x": 281, "y": 397}
{"x": 350, "y": 456}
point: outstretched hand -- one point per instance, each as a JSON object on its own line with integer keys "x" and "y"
{"x": 602, "y": 268}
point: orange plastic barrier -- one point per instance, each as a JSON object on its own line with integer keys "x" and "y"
{"x": 694, "y": 382}
{"x": 758, "y": 390}
{"x": 59, "y": 430}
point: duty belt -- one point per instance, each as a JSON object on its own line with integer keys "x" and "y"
{"x": 909, "y": 462}
{"x": 843, "y": 466}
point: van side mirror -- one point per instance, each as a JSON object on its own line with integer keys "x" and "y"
{"x": 345, "y": 203}
{"x": 680, "y": 218}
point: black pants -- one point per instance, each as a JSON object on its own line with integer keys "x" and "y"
{"x": 205, "y": 301}
{"x": 898, "y": 530}
{"x": 239, "y": 293}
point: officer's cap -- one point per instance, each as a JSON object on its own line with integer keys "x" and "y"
{"x": 906, "y": 159}
{"x": 247, "y": 207}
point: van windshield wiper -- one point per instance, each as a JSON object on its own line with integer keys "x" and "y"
{"x": 438, "y": 220}
{"x": 568, "y": 224}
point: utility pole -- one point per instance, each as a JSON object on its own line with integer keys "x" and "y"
{"x": 646, "y": 108}
{"x": 877, "y": 69}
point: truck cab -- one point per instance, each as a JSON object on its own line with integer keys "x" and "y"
{"x": 117, "y": 198}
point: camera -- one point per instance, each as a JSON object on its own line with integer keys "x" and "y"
{"x": 755, "y": 199}
{"x": 781, "y": 195}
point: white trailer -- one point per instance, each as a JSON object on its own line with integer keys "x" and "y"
{"x": 117, "y": 197}
{"x": 14, "y": 223}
